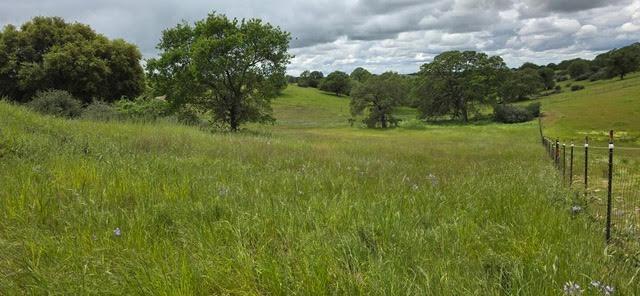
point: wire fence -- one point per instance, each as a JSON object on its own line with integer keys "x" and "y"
{"x": 606, "y": 183}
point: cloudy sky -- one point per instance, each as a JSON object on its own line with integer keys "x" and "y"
{"x": 380, "y": 35}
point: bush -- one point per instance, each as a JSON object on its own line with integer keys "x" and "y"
{"x": 562, "y": 78}
{"x": 57, "y": 103}
{"x": 142, "y": 108}
{"x": 412, "y": 124}
{"x": 100, "y": 111}
{"x": 534, "y": 109}
{"x": 600, "y": 75}
{"x": 577, "y": 87}
{"x": 584, "y": 76}
{"x": 511, "y": 114}
{"x": 558, "y": 89}
{"x": 188, "y": 115}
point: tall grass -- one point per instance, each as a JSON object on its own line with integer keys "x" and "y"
{"x": 443, "y": 211}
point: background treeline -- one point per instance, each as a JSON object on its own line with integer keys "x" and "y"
{"x": 229, "y": 70}
{"x": 458, "y": 84}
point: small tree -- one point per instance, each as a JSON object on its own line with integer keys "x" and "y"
{"x": 337, "y": 82}
{"x": 360, "y": 74}
{"x": 378, "y": 95}
{"x": 548, "y": 77}
{"x": 229, "y": 67}
{"x": 622, "y": 62}
{"x": 521, "y": 84}
{"x": 578, "y": 68}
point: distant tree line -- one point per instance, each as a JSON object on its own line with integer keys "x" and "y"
{"x": 230, "y": 70}
{"x": 456, "y": 84}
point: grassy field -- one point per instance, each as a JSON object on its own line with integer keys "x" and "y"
{"x": 601, "y": 106}
{"x": 308, "y": 206}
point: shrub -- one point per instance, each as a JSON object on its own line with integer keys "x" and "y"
{"x": 562, "y": 78}
{"x": 584, "y": 76}
{"x": 188, "y": 115}
{"x": 534, "y": 109}
{"x": 100, "y": 111}
{"x": 577, "y": 87}
{"x": 57, "y": 103}
{"x": 600, "y": 75}
{"x": 412, "y": 124}
{"x": 142, "y": 108}
{"x": 511, "y": 114}
{"x": 558, "y": 89}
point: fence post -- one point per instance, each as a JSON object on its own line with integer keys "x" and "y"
{"x": 564, "y": 161}
{"x": 571, "y": 166}
{"x": 609, "y": 187}
{"x": 556, "y": 155}
{"x": 586, "y": 164}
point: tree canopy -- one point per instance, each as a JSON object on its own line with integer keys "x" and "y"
{"x": 229, "y": 67}
{"x": 337, "y": 82}
{"x": 379, "y": 96}
{"x": 49, "y": 53}
{"x": 624, "y": 61}
{"x": 456, "y": 82}
{"x": 360, "y": 74}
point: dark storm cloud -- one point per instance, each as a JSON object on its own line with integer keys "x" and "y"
{"x": 379, "y": 34}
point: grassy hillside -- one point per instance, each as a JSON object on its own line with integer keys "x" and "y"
{"x": 601, "y": 106}
{"x": 307, "y": 207}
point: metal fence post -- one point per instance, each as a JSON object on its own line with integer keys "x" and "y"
{"x": 564, "y": 162}
{"x": 556, "y": 155}
{"x": 609, "y": 187}
{"x": 586, "y": 164}
{"x": 571, "y": 166}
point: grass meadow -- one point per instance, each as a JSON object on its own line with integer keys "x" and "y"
{"x": 309, "y": 206}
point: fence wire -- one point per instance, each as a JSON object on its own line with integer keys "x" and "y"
{"x": 591, "y": 193}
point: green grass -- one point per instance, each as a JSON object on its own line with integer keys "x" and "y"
{"x": 602, "y": 106}
{"x": 309, "y": 206}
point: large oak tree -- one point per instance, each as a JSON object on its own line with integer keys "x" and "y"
{"x": 456, "y": 82}
{"x": 47, "y": 52}
{"x": 229, "y": 67}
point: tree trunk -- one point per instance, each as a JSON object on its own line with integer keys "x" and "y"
{"x": 234, "y": 122}
{"x": 621, "y": 76}
{"x": 383, "y": 121}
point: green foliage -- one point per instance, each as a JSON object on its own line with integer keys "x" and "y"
{"x": 577, "y": 87}
{"x": 57, "y": 103}
{"x": 231, "y": 68}
{"x": 548, "y": 77}
{"x": 579, "y": 68}
{"x": 48, "y": 53}
{"x": 360, "y": 74}
{"x": 529, "y": 65}
{"x": 101, "y": 111}
{"x": 188, "y": 115}
{"x": 506, "y": 113}
{"x": 455, "y": 83}
{"x": 379, "y": 95}
{"x": 412, "y": 124}
{"x": 521, "y": 84}
{"x": 534, "y": 109}
{"x": 142, "y": 108}
{"x": 337, "y": 82}
{"x": 310, "y": 79}
{"x": 624, "y": 61}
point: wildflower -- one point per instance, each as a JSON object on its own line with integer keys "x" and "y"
{"x": 571, "y": 288}
{"x": 433, "y": 179}
{"x": 576, "y": 210}
{"x": 604, "y": 289}
{"x": 415, "y": 187}
{"x": 117, "y": 231}
{"x": 223, "y": 191}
